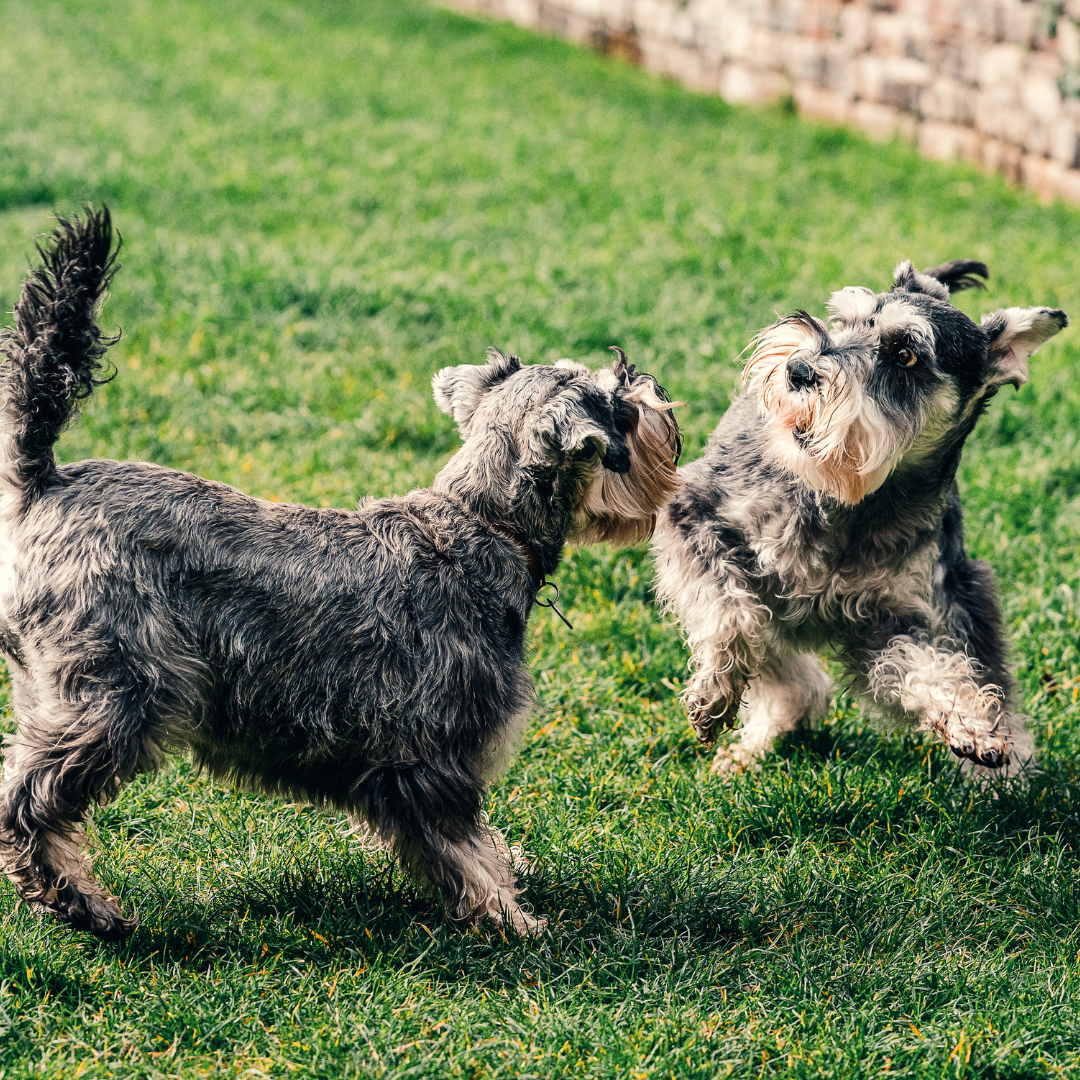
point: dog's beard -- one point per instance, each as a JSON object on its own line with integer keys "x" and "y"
{"x": 833, "y": 436}
{"x": 621, "y": 507}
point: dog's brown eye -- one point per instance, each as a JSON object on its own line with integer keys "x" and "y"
{"x": 906, "y": 358}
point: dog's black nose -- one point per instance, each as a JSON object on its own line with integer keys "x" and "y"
{"x": 800, "y": 375}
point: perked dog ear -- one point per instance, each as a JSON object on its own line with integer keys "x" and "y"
{"x": 957, "y": 275}
{"x": 1015, "y": 333}
{"x": 458, "y": 390}
{"x": 939, "y": 281}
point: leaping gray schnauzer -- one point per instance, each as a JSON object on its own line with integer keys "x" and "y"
{"x": 372, "y": 660}
{"x": 825, "y": 514}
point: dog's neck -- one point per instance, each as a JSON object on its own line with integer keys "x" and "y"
{"x": 910, "y": 505}
{"x": 528, "y": 553}
{"x": 533, "y": 507}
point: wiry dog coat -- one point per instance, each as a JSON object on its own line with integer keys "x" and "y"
{"x": 825, "y": 514}
{"x": 372, "y": 660}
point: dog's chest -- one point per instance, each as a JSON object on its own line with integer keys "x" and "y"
{"x": 816, "y": 575}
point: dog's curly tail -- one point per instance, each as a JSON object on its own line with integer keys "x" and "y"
{"x": 55, "y": 350}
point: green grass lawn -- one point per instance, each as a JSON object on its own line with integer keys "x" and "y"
{"x": 324, "y": 203}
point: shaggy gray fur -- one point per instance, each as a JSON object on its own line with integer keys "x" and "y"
{"x": 372, "y": 660}
{"x": 825, "y": 514}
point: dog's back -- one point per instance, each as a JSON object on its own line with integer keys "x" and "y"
{"x": 258, "y": 627}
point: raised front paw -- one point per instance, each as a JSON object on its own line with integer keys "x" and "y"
{"x": 980, "y": 735}
{"x": 989, "y": 750}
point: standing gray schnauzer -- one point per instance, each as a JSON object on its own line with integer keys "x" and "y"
{"x": 825, "y": 513}
{"x": 371, "y": 660}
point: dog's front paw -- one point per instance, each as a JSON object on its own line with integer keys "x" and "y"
{"x": 527, "y": 925}
{"x": 97, "y": 914}
{"x": 709, "y": 718}
{"x": 1020, "y": 764}
{"x": 701, "y": 721}
{"x": 517, "y": 920}
{"x": 113, "y": 927}
{"x": 734, "y": 759}
{"x": 991, "y": 752}
{"x": 978, "y": 738}
{"x": 520, "y": 860}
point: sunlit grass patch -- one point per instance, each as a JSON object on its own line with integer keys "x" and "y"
{"x": 324, "y": 204}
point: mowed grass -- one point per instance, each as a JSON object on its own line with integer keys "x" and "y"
{"x": 322, "y": 204}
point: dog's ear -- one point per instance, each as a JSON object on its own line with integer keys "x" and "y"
{"x": 1015, "y": 333}
{"x": 959, "y": 274}
{"x": 940, "y": 281}
{"x": 907, "y": 279}
{"x": 567, "y": 427}
{"x": 458, "y": 390}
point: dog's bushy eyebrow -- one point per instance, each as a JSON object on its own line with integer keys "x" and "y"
{"x": 852, "y": 304}
{"x": 815, "y": 326}
{"x": 904, "y": 317}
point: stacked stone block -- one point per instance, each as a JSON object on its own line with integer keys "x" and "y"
{"x": 994, "y": 81}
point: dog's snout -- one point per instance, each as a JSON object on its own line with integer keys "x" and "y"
{"x": 800, "y": 375}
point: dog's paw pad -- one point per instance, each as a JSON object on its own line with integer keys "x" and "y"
{"x": 990, "y": 757}
{"x": 989, "y": 753}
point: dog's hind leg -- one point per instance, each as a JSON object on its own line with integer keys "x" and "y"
{"x": 789, "y": 691}
{"x": 63, "y": 757}
{"x": 431, "y": 816}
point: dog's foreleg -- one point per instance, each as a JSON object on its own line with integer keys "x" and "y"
{"x": 965, "y": 595}
{"x": 788, "y": 691}
{"x": 722, "y": 622}
{"x": 476, "y": 874}
{"x": 941, "y": 688}
{"x": 721, "y": 672}
{"x": 53, "y": 770}
{"x": 430, "y": 814}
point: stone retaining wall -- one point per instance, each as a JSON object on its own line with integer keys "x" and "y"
{"x": 994, "y": 81}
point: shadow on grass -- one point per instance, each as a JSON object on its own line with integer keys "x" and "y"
{"x": 840, "y": 781}
{"x": 608, "y": 922}
{"x": 890, "y": 807}
{"x": 379, "y": 910}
